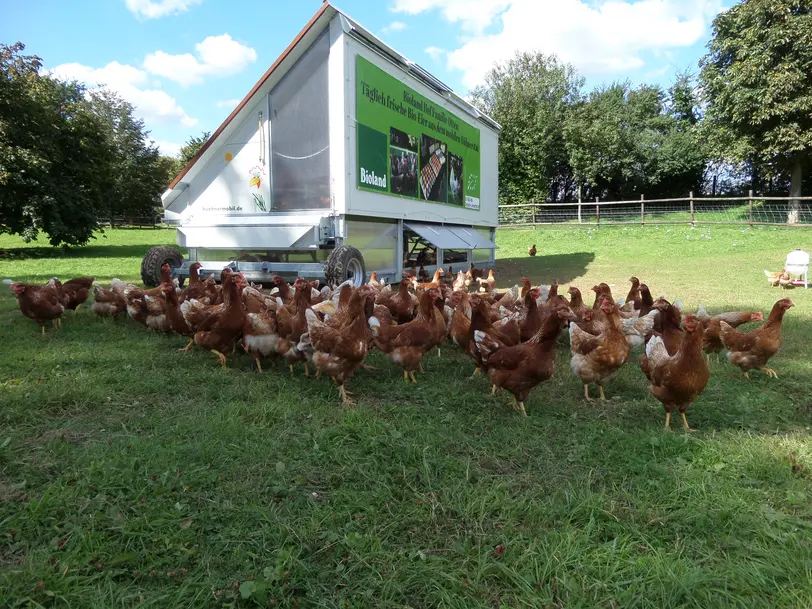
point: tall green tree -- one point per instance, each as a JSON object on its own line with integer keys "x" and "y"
{"x": 624, "y": 142}
{"x": 191, "y": 148}
{"x": 137, "y": 176}
{"x": 530, "y": 96}
{"x": 756, "y": 80}
{"x": 54, "y": 154}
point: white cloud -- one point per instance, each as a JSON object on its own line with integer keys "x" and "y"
{"x": 599, "y": 37}
{"x": 436, "y": 53}
{"x": 153, "y": 9}
{"x": 395, "y": 26}
{"x": 217, "y": 56}
{"x": 228, "y": 103}
{"x": 474, "y": 15}
{"x": 167, "y": 148}
{"x": 153, "y": 105}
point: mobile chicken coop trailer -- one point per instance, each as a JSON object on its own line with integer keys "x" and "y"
{"x": 345, "y": 158}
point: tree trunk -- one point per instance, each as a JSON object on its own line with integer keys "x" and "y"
{"x": 794, "y": 211}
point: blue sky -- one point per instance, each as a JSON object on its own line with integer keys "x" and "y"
{"x": 184, "y": 63}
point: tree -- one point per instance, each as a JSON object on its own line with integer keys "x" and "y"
{"x": 756, "y": 83}
{"x": 624, "y": 142}
{"x": 191, "y": 148}
{"x": 54, "y": 154}
{"x": 138, "y": 177}
{"x": 529, "y": 96}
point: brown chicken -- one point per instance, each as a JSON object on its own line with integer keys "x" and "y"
{"x": 260, "y": 336}
{"x": 220, "y": 331}
{"x": 203, "y": 291}
{"x": 602, "y": 292}
{"x": 174, "y": 317}
{"x": 507, "y": 334}
{"x": 712, "y": 341}
{"x": 73, "y": 292}
{"x": 646, "y": 300}
{"x": 402, "y": 305}
{"x": 533, "y": 318}
{"x": 753, "y": 350}
{"x": 108, "y": 302}
{"x": 531, "y": 251}
{"x": 461, "y": 322}
{"x": 339, "y": 351}
{"x": 634, "y": 290}
{"x": 38, "y": 303}
{"x": 434, "y": 283}
{"x": 406, "y": 344}
{"x": 678, "y": 378}
{"x": 576, "y": 303}
{"x": 291, "y": 324}
{"x": 668, "y": 329}
{"x": 519, "y": 368}
{"x": 489, "y": 283}
{"x": 596, "y": 359}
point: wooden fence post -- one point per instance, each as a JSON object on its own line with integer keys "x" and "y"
{"x": 692, "y": 208}
{"x": 750, "y": 207}
{"x": 534, "y": 212}
{"x": 642, "y": 209}
{"x": 598, "y": 210}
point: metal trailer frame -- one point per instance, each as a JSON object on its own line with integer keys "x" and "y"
{"x": 303, "y": 242}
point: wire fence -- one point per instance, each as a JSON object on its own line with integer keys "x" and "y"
{"x": 750, "y": 210}
{"x": 128, "y": 221}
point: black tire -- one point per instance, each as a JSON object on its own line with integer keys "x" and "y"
{"x": 344, "y": 263}
{"x": 154, "y": 259}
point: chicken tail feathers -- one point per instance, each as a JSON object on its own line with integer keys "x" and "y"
{"x": 656, "y": 351}
{"x": 375, "y": 326}
{"x": 8, "y": 281}
{"x": 312, "y": 320}
{"x": 486, "y": 345}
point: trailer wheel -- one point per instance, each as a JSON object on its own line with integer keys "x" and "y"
{"x": 154, "y": 259}
{"x": 345, "y": 263}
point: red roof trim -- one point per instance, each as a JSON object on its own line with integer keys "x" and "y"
{"x": 251, "y": 93}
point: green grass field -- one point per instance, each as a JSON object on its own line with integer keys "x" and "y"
{"x": 134, "y": 475}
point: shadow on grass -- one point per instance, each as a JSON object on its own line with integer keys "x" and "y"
{"x": 543, "y": 269}
{"x": 87, "y": 251}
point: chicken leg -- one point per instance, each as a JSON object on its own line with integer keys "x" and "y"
{"x": 411, "y": 375}
{"x": 259, "y": 366}
{"x": 221, "y": 357}
{"x": 477, "y": 372}
{"x": 345, "y": 398}
{"x": 307, "y": 370}
{"x": 42, "y": 327}
{"x": 405, "y": 376}
{"x": 603, "y": 395}
{"x": 586, "y": 393}
{"x": 668, "y": 421}
{"x": 770, "y": 372}
{"x": 189, "y": 346}
{"x": 521, "y": 408}
{"x": 685, "y": 422}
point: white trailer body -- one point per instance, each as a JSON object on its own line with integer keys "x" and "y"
{"x": 281, "y": 186}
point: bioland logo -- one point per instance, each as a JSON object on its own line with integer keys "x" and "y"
{"x": 370, "y": 179}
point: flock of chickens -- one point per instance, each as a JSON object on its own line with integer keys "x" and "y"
{"x": 510, "y": 334}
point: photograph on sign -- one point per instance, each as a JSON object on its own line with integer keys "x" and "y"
{"x": 402, "y": 163}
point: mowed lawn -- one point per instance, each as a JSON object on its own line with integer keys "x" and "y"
{"x": 134, "y": 475}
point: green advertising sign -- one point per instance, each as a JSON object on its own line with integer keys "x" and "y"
{"x": 409, "y": 146}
